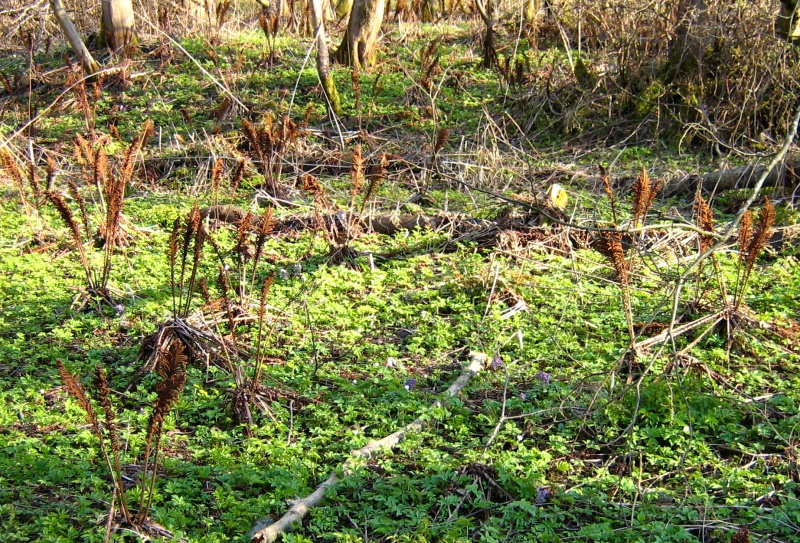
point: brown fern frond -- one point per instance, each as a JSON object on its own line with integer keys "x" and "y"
{"x": 51, "y": 173}
{"x": 200, "y": 238}
{"x": 764, "y": 230}
{"x": 76, "y": 194}
{"x": 252, "y": 135}
{"x": 441, "y": 140}
{"x": 82, "y": 151}
{"x": 115, "y": 200}
{"x": 171, "y": 367}
{"x": 655, "y": 188}
{"x": 129, "y": 161}
{"x": 641, "y": 195}
{"x": 609, "y": 193}
{"x": 752, "y": 242}
{"x": 745, "y": 233}
{"x": 69, "y": 220}
{"x": 100, "y": 169}
{"x": 243, "y": 247}
{"x": 238, "y": 174}
{"x": 216, "y": 174}
{"x": 66, "y": 215}
{"x": 355, "y": 78}
{"x": 202, "y": 286}
{"x": 376, "y": 175}
{"x": 104, "y": 395}
{"x": 291, "y": 130}
{"x": 311, "y": 186}
{"x": 705, "y": 221}
{"x": 609, "y": 244}
{"x": 356, "y": 175}
{"x": 265, "y": 226}
{"x": 33, "y": 181}
{"x": 12, "y": 170}
{"x": 74, "y": 387}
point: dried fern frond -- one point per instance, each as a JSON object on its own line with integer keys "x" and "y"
{"x": 356, "y": 175}
{"x": 764, "y": 230}
{"x": 655, "y": 188}
{"x": 78, "y": 197}
{"x": 441, "y": 140}
{"x": 100, "y": 169}
{"x": 171, "y": 367}
{"x": 82, "y": 151}
{"x": 238, "y": 174}
{"x": 752, "y": 242}
{"x": 51, "y": 173}
{"x": 375, "y": 174}
{"x": 33, "y": 181}
{"x": 216, "y": 174}
{"x": 609, "y": 244}
{"x": 12, "y": 169}
{"x": 252, "y": 136}
{"x": 74, "y": 387}
{"x": 126, "y": 172}
{"x": 104, "y": 394}
{"x": 644, "y": 194}
{"x": 609, "y": 192}
{"x": 265, "y": 226}
{"x": 705, "y": 221}
{"x": 243, "y": 247}
{"x": 355, "y": 75}
{"x": 69, "y": 220}
{"x": 66, "y": 215}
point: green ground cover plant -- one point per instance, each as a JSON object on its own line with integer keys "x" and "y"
{"x": 207, "y": 305}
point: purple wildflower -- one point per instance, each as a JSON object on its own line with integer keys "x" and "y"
{"x": 497, "y": 363}
{"x": 523, "y": 396}
{"x": 542, "y": 495}
{"x": 543, "y": 377}
{"x": 283, "y": 273}
{"x": 410, "y": 384}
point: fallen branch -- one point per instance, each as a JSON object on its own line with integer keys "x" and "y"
{"x": 477, "y": 362}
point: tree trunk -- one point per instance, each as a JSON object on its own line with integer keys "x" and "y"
{"x": 531, "y": 12}
{"x": 323, "y": 59}
{"x": 89, "y": 64}
{"x": 787, "y": 25}
{"x": 117, "y": 25}
{"x": 343, "y": 8}
{"x": 360, "y": 41}
{"x": 486, "y": 11}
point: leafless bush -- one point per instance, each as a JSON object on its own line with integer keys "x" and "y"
{"x": 711, "y": 74}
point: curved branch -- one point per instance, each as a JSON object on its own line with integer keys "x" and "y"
{"x": 300, "y": 509}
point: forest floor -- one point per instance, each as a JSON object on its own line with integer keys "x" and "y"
{"x": 608, "y": 409}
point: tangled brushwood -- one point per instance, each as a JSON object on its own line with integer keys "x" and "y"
{"x": 708, "y": 74}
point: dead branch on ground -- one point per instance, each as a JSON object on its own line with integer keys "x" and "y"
{"x": 301, "y": 507}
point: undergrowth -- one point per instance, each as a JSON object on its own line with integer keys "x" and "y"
{"x": 251, "y": 312}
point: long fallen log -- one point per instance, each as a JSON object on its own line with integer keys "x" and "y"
{"x": 300, "y": 508}
{"x": 742, "y": 177}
